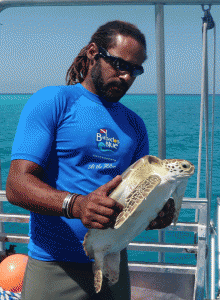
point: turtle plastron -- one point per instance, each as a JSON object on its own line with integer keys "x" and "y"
{"x": 178, "y": 197}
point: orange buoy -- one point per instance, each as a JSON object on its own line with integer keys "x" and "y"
{"x": 12, "y": 270}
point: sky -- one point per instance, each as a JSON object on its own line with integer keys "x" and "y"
{"x": 38, "y": 45}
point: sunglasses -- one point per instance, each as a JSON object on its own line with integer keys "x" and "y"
{"x": 120, "y": 64}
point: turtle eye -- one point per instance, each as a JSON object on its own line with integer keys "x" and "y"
{"x": 185, "y": 166}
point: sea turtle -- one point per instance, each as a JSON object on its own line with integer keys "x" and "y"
{"x": 145, "y": 188}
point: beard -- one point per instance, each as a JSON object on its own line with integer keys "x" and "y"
{"x": 112, "y": 91}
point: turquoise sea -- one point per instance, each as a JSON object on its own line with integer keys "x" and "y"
{"x": 182, "y": 139}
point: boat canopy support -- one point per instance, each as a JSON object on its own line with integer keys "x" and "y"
{"x": 21, "y": 3}
{"x": 160, "y": 59}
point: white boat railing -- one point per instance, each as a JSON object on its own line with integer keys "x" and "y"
{"x": 195, "y": 274}
{"x": 191, "y": 276}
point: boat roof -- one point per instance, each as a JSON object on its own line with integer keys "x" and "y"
{"x": 18, "y": 3}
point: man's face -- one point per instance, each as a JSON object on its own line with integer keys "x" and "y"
{"x": 109, "y": 82}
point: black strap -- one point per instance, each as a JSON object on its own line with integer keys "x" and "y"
{"x": 208, "y": 18}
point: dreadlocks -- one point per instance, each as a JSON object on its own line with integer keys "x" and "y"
{"x": 104, "y": 37}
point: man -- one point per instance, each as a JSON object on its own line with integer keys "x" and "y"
{"x": 71, "y": 143}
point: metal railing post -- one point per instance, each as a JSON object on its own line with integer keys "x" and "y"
{"x": 160, "y": 58}
{"x": 213, "y": 264}
{"x": 2, "y": 245}
{"x": 218, "y": 242}
{"x": 160, "y": 62}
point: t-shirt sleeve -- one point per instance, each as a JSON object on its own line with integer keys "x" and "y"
{"x": 36, "y": 128}
{"x": 142, "y": 148}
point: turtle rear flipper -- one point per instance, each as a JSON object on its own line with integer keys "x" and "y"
{"x": 112, "y": 267}
{"x": 98, "y": 270}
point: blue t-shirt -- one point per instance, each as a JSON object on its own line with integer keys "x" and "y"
{"x": 81, "y": 142}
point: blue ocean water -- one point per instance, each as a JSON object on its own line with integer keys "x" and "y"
{"x": 182, "y": 139}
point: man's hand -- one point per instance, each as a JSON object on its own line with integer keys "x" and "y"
{"x": 165, "y": 216}
{"x": 97, "y": 210}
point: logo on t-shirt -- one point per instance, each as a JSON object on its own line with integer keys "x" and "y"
{"x": 107, "y": 140}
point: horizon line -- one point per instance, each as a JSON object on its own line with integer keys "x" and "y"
{"x": 122, "y": 97}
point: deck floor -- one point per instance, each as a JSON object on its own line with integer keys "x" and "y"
{"x": 138, "y": 293}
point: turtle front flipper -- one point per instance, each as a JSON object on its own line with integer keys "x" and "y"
{"x": 98, "y": 270}
{"x": 112, "y": 267}
{"x": 136, "y": 197}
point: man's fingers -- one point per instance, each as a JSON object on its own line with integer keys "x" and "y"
{"x": 169, "y": 206}
{"x": 118, "y": 207}
{"x": 98, "y": 208}
{"x": 94, "y": 225}
{"x": 99, "y": 221}
{"x": 164, "y": 217}
{"x": 103, "y": 210}
{"x": 109, "y": 186}
{"x": 109, "y": 209}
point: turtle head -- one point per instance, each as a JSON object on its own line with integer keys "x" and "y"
{"x": 180, "y": 167}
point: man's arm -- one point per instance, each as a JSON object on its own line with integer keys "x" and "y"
{"x": 24, "y": 188}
